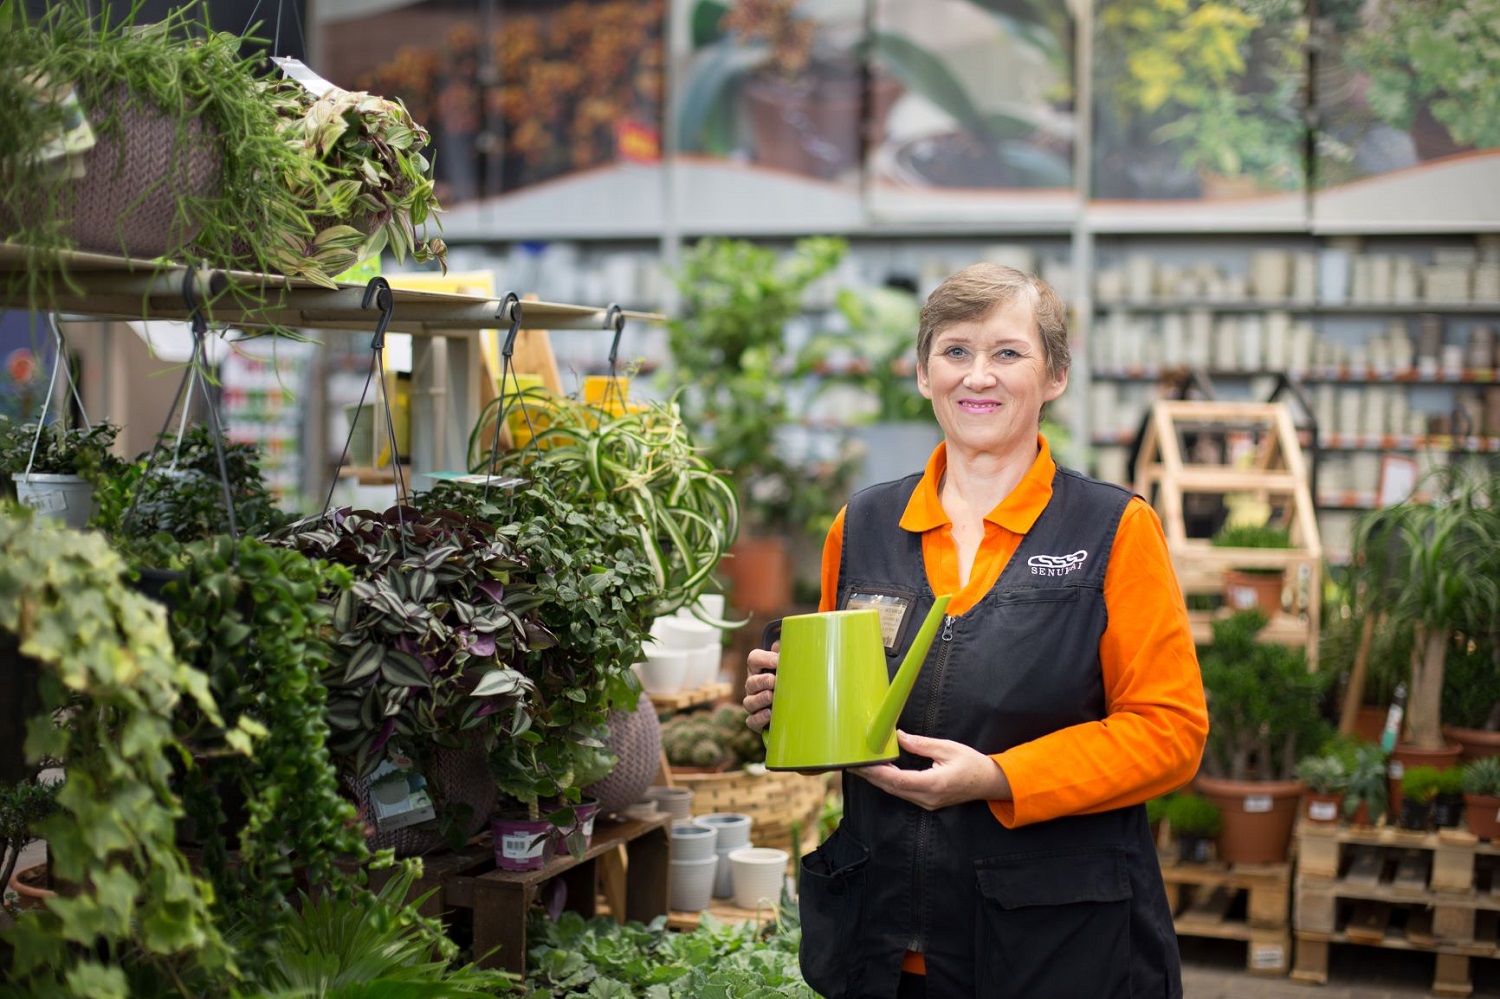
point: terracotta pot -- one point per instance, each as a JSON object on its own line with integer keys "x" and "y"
{"x": 29, "y": 884}
{"x": 1482, "y": 815}
{"x": 1244, "y": 590}
{"x": 760, "y": 575}
{"x": 1474, "y": 743}
{"x": 1258, "y": 817}
{"x": 1322, "y": 809}
{"x": 1370, "y": 722}
{"x": 1217, "y": 187}
{"x": 1406, "y": 755}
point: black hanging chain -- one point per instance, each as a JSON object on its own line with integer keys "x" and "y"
{"x": 614, "y": 318}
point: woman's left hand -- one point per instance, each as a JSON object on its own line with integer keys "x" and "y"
{"x": 958, "y": 774}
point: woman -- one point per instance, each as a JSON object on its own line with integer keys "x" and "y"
{"x": 1007, "y": 852}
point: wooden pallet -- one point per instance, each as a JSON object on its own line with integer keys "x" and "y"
{"x": 1408, "y": 929}
{"x": 1249, "y": 902}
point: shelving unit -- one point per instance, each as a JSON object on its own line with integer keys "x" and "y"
{"x": 447, "y": 366}
{"x": 1168, "y": 474}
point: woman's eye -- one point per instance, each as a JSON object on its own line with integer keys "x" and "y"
{"x": 953, "y": 352}
{"x": 1008, "y": 354}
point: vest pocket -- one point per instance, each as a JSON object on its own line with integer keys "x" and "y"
{"x": 830, "y": 896}
{"x": 1053, "y": 925}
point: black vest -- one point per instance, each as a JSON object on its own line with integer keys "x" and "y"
{"x": 1072, "y": 908}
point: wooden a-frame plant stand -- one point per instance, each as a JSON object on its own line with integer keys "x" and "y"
{"x": 1276, "y": 475}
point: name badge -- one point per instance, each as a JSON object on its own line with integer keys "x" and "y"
{"x": 892, "y": 610}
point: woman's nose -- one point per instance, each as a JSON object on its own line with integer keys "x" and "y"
{"x": 981, "y": 373}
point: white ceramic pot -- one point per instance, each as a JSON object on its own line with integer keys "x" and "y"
{"x": 758, "y": 873}
{"x": 691, "y": 842}
{"x": 686, "y": 633}
{"x": 675, "y": 801}
{"x": 733, "y": 828}
{"x": 664, "y": 671}
{"x": 692, "y": 883}
{"x": 703, "y": 664}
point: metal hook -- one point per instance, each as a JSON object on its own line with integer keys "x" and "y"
{"x": 379, "y": 289}
{"x": 195, "y": 307}
{"x": 614, "y": 318}
{"x": 510, "y": 311}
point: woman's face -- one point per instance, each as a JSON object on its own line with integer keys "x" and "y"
{"x": 988, "y": 379}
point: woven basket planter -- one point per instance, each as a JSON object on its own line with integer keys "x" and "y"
{"x": 775, "y": 799}
{"x": 135, "y": 177}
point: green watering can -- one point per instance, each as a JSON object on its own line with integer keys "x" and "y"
{"x": 834, "y": 706}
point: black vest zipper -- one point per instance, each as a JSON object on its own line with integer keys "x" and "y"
{"x": 924, "y": 821}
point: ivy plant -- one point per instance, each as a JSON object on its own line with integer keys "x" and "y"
{"x": 57, "y": 450}
{"x": 248, "y": 615}
{"x": 110, "y": 686}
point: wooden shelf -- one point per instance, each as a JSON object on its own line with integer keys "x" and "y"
{"x": 696, "y": 697}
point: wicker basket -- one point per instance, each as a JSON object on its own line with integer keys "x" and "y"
{"x": 774, "y": 799}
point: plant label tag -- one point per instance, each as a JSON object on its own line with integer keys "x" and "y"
{"x": 522, "y": 845}
{"x": 399, "y": 797}
{"x": 1397, "y": 770}
{"x": 296, "y": 69}
{"x": 1257, "y": 803}
{"x": 1322, "y": 811}
{"x": 1267, "y": 956}
{"x": 46, "y": 501}
{"x": 892, "y": 610}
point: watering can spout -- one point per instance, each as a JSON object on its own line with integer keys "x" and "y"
{"x": 884, "y": 724}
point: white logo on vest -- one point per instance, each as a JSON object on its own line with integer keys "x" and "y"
{"x": 1056, "y": 565}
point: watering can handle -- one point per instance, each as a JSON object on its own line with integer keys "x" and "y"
{"x": 770, "y": 634}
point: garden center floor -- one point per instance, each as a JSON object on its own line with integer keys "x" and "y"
{"x": 1215, "y": 969}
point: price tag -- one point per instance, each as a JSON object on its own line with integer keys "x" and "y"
{"x": 1322, "y": 811}
{"x": 1258, "y": 803}
{"x": 522, "y": 846}
{"x": 1267, "y": 956}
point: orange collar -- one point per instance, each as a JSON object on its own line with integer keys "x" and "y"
{"x": 1016, "y": 513}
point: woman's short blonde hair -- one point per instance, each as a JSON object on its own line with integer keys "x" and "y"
{"x": 978, "y": 290}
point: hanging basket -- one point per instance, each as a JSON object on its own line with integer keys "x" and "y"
{"x": 142, "y": 170}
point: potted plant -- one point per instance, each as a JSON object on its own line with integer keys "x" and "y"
{"x": 1419, "y": 64}
{"x": 1448, "y": 802}
{"x": 366, "y": 186}
{"x": 1481, "y": 783}
{"x": 111, "y": 685}
{"x": 23, "y": 805}
{"x": 1206, "y": 93}
{"x": 1247, "y": 586}
{"x": 1196, "y": 822}
{"x": 56, "y": 469}
{"x": 1368, "y": 794}
{"x": 1326, "y": 778}
{"x": 1419, "y": 786}
{"x": 1433, "y": 568}
{"x": 144, "y": 170}
{"x": 812, "y": 94}
{"x": 729, "y": 361}
{"x": 1263, "y": 705}
{"x": 1471, "y": 694}
{"x": 710, "y": 741}
{"x": 421, "y": 660}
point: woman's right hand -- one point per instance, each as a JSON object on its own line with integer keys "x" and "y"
{"x": 760, "y": 683}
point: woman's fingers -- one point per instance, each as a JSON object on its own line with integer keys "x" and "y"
{"x": 760, "y": 684}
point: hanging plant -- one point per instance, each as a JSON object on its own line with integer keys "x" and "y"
{"x": 425, "y": 636}
{"x": 644, "y": 465}
{"x": 371, "y": 188}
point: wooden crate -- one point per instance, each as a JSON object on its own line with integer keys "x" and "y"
{"x": 1249, "y": 902}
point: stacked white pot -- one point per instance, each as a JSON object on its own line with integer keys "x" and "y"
{"x": 694, "y": 866}
{"x": 699, "y": 642}
{"x": 758, "y": 874}
{"x": 734, "y": 832}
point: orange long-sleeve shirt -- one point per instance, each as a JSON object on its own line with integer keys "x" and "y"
{"x": 1151, "y": 740}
